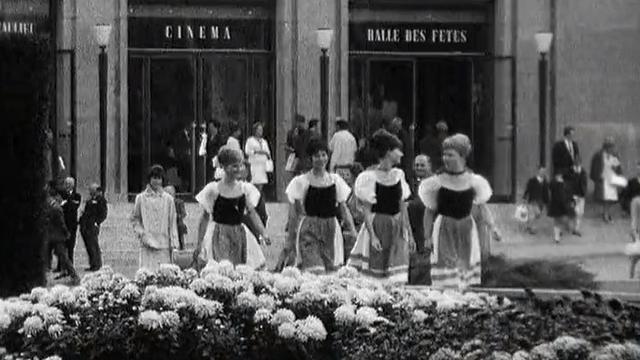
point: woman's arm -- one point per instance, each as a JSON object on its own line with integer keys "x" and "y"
{"x": 257, "y": 223}
{"x": 368, "y": 223}
{"x": 406, "y": 226}
{"x": 202, "y": 228}
{"x": 429, "y": 216}
{"x": 346, "y": 215}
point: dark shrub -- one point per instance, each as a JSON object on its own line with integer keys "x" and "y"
{"x": 26, "y": 72}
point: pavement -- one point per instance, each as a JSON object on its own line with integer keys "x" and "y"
{"x": 599, "y": 250}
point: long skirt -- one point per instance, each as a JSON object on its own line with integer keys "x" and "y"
{"x": 234, "y": 243}
{"x": 152, "y": 258}
{"x": 319, "y": 244}
{"x": 456, "y": 253}
{"x": 390, "y": 264}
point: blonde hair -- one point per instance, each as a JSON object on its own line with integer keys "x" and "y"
{"x": 460, "y": 143}
{"x": 229, "y": 156}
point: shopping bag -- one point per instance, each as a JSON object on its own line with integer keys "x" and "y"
{"x": 522, "y": 213}
{"x": 292, "y": 161}
{"x": 618, "y": 181}
{"x": 268, "y": 166}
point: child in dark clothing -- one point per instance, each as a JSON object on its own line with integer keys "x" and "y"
{"x": 181, "y": 214}
{"x": 561, "y": 206}
{"x": 536, "y": 195}
{"x": 576, "y": 178}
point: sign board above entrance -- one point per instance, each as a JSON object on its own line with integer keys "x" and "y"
{"x": 24, "y": 17}
{"x": 407, "y": 37}
{"x": 177, "y": 33}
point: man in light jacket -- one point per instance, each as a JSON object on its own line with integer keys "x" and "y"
{"x": 343, "y": 146}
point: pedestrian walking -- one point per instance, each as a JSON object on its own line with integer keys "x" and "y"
{"x": 316, "y": 198}
{"x": 181, "y": 214}
{"x": 71, "y": 201}
{"x": 606, "y": 174}
{"x": 343, "y": 147}
{"x": 385, "y": 241}
{"x": 155, "y": 222}
{"x": 56, "y": 234}
{"x": 296, "y": 144}
{"x": 355, "y": 209}
{"x": 561, "y": 205}
{"x": 221, "y": 233}
{"x": 577, "y": 179}
{"x": 259, "y": 156}
{"x": 211, "y": 141}
{"x": 536, "y": 196}
{"x": 450, "y": 230}
{"x": 565, "y": 152}
{"x": 94, "y": 213}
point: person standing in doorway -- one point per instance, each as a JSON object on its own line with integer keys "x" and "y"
{"x": 56, "y": 233}
{"x": 605, "y": 171}
{"x": 395, "y": 127}
{"x": 95, "y": 212}
{"x": 259, "y": 156}
{"x": 70, "y": 203}
{"x": 431, "y": 145}
{"x": 155, "y": 222}
{"x": 565, "y": 152}
{"x": 343, "y": 147}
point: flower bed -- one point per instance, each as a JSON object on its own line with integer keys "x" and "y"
{"x": 237, "y": 313}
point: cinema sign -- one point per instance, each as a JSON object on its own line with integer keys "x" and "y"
{"x": 26, "y": 18}
{"x": 408, "y": 37}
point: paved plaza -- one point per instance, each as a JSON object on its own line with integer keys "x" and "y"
{"x": 599, "y": 250}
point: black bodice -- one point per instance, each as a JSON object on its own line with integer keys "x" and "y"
{"x": 455, "y": 204}
{"x": 229, "y": 211}
{"x": 321, "y": 201}
{"x": 387, "y": 199}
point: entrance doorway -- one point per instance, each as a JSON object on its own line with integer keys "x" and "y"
{"x": 424, "y": 90}
{"x": 173, "y": 96}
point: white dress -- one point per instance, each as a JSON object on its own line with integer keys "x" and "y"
{"x": 610, "y": 192}
{"x": 258, "y": 162}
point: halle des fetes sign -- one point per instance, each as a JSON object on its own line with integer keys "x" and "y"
{"x": 407, "y": 37}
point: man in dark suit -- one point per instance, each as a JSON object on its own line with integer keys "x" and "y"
{"x": 565, "y": 152}
{"x": 70, "y": 204}
{"x": 95, "y": 212}
{"x": 56, "y": 233}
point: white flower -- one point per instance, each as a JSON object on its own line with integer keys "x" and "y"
{"x": 247, "y": 299}
{"x": 150, "y": 320}
{"x": 244, "y": 271}
{"x": 67, "y": 298}
{"x": 143, "y": 275}
{"x": 130, "y": 291}
{"x": 287, "y": 330}
{"x": 18, "y": 309}
{"x": 310, "y": 328}
{"x": 169, "y": 271}
{"x": 366, "y": 316}
{"x": 283, "y": 316}
{"x": 266, "y": 301}
{"x": 261, "y": 278}
{"x": 32, "y": 325}
{"x": 190, "y": 274}
{"x": 308, "y": 296}
{"x": 206, "y": 309}
{"x": 52, "y": 316}
{"x": 345, "y": 314}
{"x": 219, "y": 282}
{"x": 55, "y": 331}
{"x": 262, "y": 314}
{"x": 381, "y": 297}
{"x": 225, "y": 268}
{"x": 53, "y": 357}
{"x": 5, "y": 321}
{"x": 291, "y": 272}
{"x": 37, "y": 293}
{"x": 199, "y": 286}
{"x": 80, "y": 292}
{"x": 447, "y": 304}
{"x": 348, "y": 272}
{"x": 419, "y": 316}
{"x": 170, "y": 319}
{"x": 364, "y": 297}
{"x": 285, "y": 285}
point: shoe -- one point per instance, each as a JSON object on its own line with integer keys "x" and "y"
{"x": 576, "y": 233}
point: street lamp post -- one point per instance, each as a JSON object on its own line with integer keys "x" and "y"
{"x": 325, "y": 36}
{"x": 543, "y": 43}
{"x": 102, "y": 33}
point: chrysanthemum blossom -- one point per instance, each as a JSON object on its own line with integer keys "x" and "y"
{"x": 266, "y": 301}
{"x": 206, "y": 309}
{"x": 345, "y": 314}
{"x": 262, "y": 315}
{"x": 247, "y": 300}
{"x": 143, "y": 275}
{"x": 283, "y": 316}
{"x": 364, "y": 297}
{"x": 287, "y": 330}
{"x": 219, "y": 282}
{"x": 291, "y": 272}
{"x": 348, "y": 272}
{"x": 150, "y": 320}
{"x": 170, "y": 319}
{"x": 226, "y": 268}
{"x": 199, "y": 286}
{"x": 169, "y": 271}
{"x": 130, "y": 291}
{"x": 33, "y": 325}
{"x": 5, "y": 321}
{"x": 37, "y": 293}
{"x": 285, "y": 285}
{"x": 419, "y": 316}
{"x": 55, "y": 331}
{"x": 53, "y": 357}
{"x": 244, "y": 271}
{"x": 311, "y": 328}
{"x": 366, "y": 316}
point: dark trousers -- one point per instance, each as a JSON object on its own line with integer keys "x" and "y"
{"x": 90, "y": 238}
{"x": 71, "y": 243}
{"x": 62, "y": 254}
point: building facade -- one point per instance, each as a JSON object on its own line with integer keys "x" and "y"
{"x": 174, "y": 65}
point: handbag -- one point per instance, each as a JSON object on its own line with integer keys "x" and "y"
{"x": 618, "y": 181}
{"x": 521, "y": 213}
{"x": 268, "y": 166}
{"x": 182, "y": 258}
{"x": 292, "y": 161}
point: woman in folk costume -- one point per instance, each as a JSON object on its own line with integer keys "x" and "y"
{"x": 449, "y": 227}
{"x": 385, "y": 240}
{"x": 221, "y": 234}
{"x": 316, "y": 197}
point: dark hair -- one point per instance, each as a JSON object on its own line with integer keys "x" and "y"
{"x": 383, "y": 141}
{"x": 155, "y": 171}
{"x": 313, "y": 123}
{"x": 315, "y": 146}
{"x": 52, "y": 188}
{"x": 228, "y": 156}
{"x": 342, "y": 124}
{"x": 215, "y": 123}
{"x": 300, "y": 118}
{"x": 567, "y": 130}
{"x": 542, "y": 166}
{"x": 256, "y": 124}
{"x": 233, "y": 127}
{"x": 356, "y": 168}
